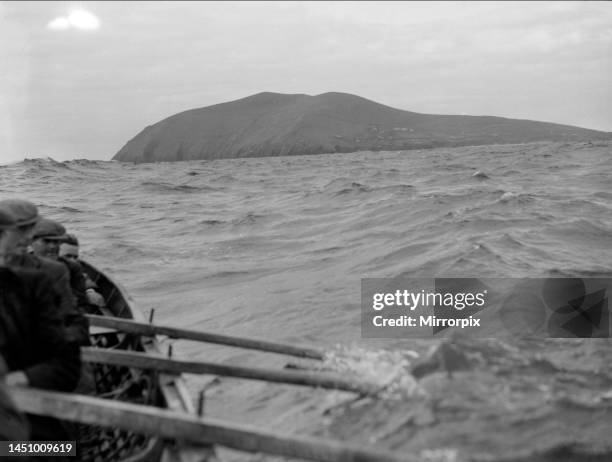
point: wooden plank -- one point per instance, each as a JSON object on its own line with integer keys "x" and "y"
{"x": 150, "y": 330}
{"x": 174, "y": 425}
{"x": 144, "y": 361}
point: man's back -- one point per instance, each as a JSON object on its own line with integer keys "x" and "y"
{"x": 59, "y": 274}
{"x": 32, "y": 332}
{"x": 35, "y": 343}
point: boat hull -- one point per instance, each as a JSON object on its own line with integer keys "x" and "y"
{"x": 166, "y": 391}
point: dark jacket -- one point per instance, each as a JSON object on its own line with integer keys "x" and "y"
{"x": 77, "y": 283}
{"x": 33, "y": 334}
{"x": 77, "y": 325}
{"x": 34, "y": 339}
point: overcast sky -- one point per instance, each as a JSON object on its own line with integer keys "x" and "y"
{"x": 79, "y": 79}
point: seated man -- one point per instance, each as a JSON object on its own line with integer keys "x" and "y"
{"x": 69, "y": 247}
{"x": 33, "y": 336}
{"x": 14, "y": 425}
{"x": 69, "y": 250}
{"x": 26, "y": 217}
{"x": 47, "y": 237}
{"x": 46, "y": 240}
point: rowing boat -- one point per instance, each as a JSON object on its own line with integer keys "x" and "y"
{"x": 142, "y": 412}
{"x": 167, "y": 391}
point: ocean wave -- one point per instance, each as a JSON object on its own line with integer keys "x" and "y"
{"x": 450, "y": 166}
{"x": 64, "y": 208}
{"x": 509, "y": 240}
{"x": 583, "y": 229}
{"x": 509, "y": 197}
{"x": 401, "y": 254}
{"x": 228, "y": 274}
{"x": 354, "y": 187}
{"x": 38, "y": 166}
{"x": 384, "y": 174}
{"x": 126, "y": 249}
{"x": 212, "y": 222}
{"x": 249, "y": 219}
{"x": 478, "y": 259}
{"x": 480, "y": 175}
{"x": 168, "y": 187}
{"x": 225, "y": 178}
{"x": 399, "y": 189}
{"x": 85, "y": 163}
{"x": 43, "y": 161}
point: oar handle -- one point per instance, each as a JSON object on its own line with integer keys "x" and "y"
{"x": 133, "y": 327}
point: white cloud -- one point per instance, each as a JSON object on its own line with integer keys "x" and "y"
{"x": 59, "y": 24}
{"x": 77, "y": 19}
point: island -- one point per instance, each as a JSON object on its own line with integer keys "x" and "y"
{"x": 274, "y": 124}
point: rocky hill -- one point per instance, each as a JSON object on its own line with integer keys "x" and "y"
{"x": 273, "y": 124}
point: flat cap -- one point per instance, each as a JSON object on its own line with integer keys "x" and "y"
{"x": 7, "y": 221}
{"x": 49, "y": 229}
{"x": 24, "y": 212}
{"x": 71, "y": 239}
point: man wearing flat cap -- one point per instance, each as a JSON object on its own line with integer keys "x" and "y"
{"x": 25, "y": 215}
{"x": 47, "y": 237}
{"x": 27, "y": 219}
{"x": 69, "y": 248}
{"x": 33, "y": 337}
{"x": 46, "y": 240}
{"x": 14, "y": 426}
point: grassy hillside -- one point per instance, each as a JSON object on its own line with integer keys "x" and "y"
{"x": 273, "y": 124}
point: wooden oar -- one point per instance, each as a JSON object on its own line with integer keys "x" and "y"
{"x": 160, "y": 363}
{"x": 133, "y": 327}
{"x": 186, "y": 427}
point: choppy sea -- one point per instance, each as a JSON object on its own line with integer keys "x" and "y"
{"x": 275, "y": 248}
